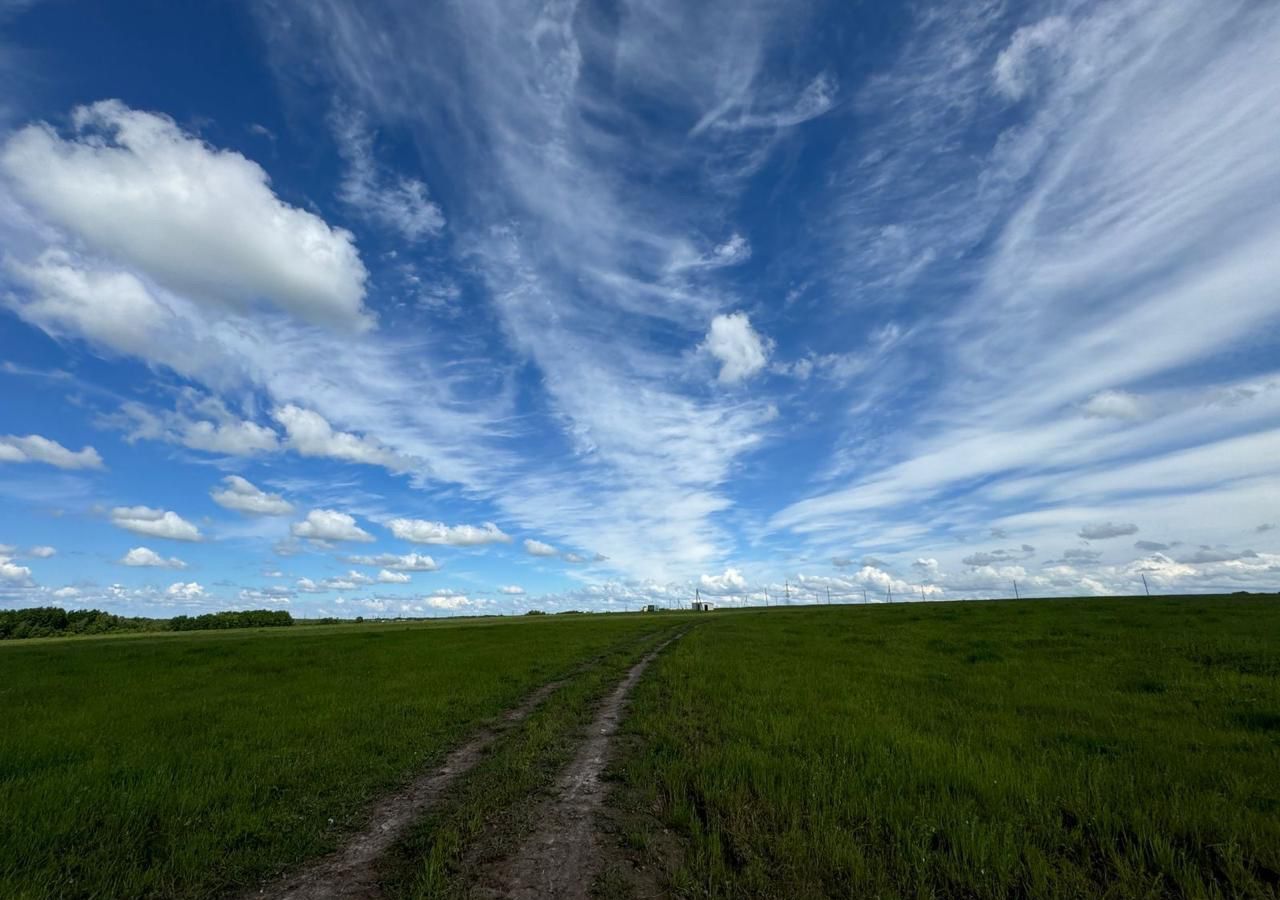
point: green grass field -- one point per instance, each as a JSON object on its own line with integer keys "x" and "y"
{"x": 190, "y": 765}
{"x": 1087, "y": 748}
{"x": 1118, "y": 748}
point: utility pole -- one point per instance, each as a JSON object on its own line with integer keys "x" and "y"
{"x": 1015, "y": 591}
{"x": 786, "y": 586}
{"x": 766, "y": 598}
{"x": 864, "y": 596}
{"x": 890, "y": 590}
{"x": 828, "y": 595}
{"x": 922, "y": 593}
{"x": 1144, "y": 584}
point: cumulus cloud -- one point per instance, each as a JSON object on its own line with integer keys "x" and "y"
{"x": 191, "y": 590}
{"x": 42, "y": 552}
{"x": 447, "y": 601}
{"x": 242, "y": 495}
{"x": 399, "y": 203}
{"x": 408, "y": 562}
{"x": 420, "y": 531}
{"x": 1107, "y": 530}
{"x": 310, "y": 434}
{"x": 511, "y": 590}
{"x": 351, "y": 581}
{"x": 740, "y": 351}
{"x": 386, "y": 576}
{"x": 146, "y": 557}
{"x": 155, "y": 523}
{"x": 325, "y": 525}
{"x": 36, "y": 449}
{"x": 11, "y": 571}
{"x": 279, "y": 596}
{"x": 730, "y": 581}
{"x": 538, "y": 548}
{"x": 202, "y": 423}
{"x": 202, "y": 222}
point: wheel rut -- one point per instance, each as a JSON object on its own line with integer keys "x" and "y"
{"x": 564, "y": 855}
{"x": 351, "y": 872}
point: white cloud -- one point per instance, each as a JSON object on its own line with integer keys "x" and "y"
{"x": 739, "y": 349}
{"x": 447, "y": 601}
{"x": 42, "y": 552}
{"x": 201, "y": 423}
{"x": 420, "y": 531}
{"x": 191, "y": 590}
{"x": 67, "y": 593}
{"x": 351, "y": 581}
{"x": 145, "y": 556}
{"x": 386, "y": 576}
{"x": 201, "y": 221}
{"x": 240, "y": 494}
{"x": 730, "y": 582}
{"x": 323, "y": 525}
{"x": 34, "y": 448}
{"x": 1014, "y": 69}
{"x": 511, "y": 590}
{"x": 11, "y": 571}
{"x": 1104, "y": 530}
{"x": 1113, "y": 405}
{"x": 538, "y": 548}
{"x": 311, "y": 435}
{"x": 409, "y": 562}
{"x": 155, "y": 522}
{"x": 399, "y": 203}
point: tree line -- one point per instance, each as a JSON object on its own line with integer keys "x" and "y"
{"x": 52, "y": 621}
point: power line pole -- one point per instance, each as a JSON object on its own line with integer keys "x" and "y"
{"x": 786, "y": 586}
{"x": 864, "y": 596}
{"x": 1016, "y": 596}
{"x": 828, "y": 595}
{"x": 1144, "y": 584}
{"x": 922, "y": 593}
{"x": 890, "y": 590}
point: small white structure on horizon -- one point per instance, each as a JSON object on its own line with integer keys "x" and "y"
{"x": 701, "y": 606}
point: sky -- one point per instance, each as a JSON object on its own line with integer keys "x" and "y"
{"x": 436, "y": 308}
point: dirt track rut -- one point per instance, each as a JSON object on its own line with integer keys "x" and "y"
{"x": 351, "y": 872}
{"x": 562, "y": 858}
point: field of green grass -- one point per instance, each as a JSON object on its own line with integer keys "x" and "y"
{"x": 192, "y": 765}
{"x": 1085, "y": 748}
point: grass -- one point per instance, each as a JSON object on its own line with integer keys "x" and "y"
{"x": 193, "y": 765}
{"x": 1090, "y": 748}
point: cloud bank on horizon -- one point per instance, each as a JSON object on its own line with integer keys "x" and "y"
{"x": 631, "y": 300}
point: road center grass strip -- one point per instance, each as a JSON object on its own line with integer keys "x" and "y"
{"x": 195, "y": 765}
{"x": 1081, "y": 748}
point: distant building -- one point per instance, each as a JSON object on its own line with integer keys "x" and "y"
{"x": 701, "y": 606}
{"x": 649, "y": 607}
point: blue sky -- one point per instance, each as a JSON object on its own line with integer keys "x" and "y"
{"x": 439, "y": 308}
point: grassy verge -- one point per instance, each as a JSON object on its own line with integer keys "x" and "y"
{"x": 489, "y": 812}
{"x": 191, "y": 765}
{"x": 1090, "y": 748}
